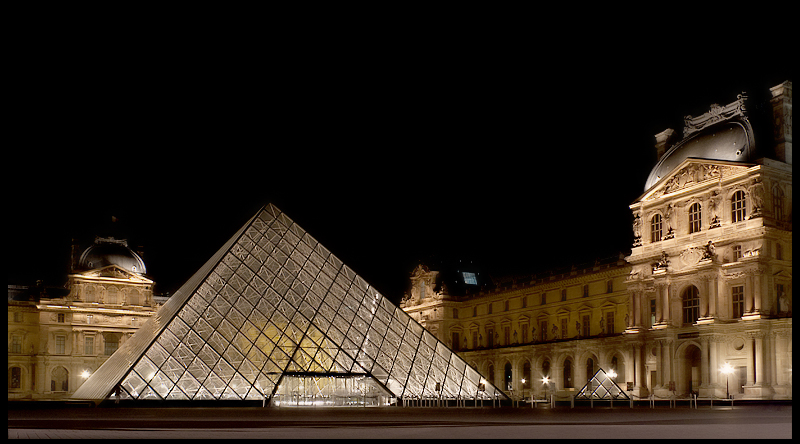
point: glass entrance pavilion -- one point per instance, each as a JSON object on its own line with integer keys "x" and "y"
{"x": 274, "y": 316}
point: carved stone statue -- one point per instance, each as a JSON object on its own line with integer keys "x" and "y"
{"x": 627, "y": 320}
{"x": 662, "y": 263}
{"x": 533, "y": 334}
{"x": 637, "y": 230}
{"x": 602, "y": 325}
{"x": 714, "y": 208}
{"x": 757, "y": 195}
{"x": 710, "y": 251}
{"x": 515, "y": 337}
{"x": 555, "y": 331}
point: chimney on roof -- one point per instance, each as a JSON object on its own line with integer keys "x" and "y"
{"x": 782, "y": 118}
{"x": 663, "y": 142}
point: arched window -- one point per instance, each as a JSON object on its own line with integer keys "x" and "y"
{"x": 738, "y": 210}
{"x": 59, "y": 381}
{"x": 15, "y": 378}
{"x": 694, "y": 218}
{"x": 491, "y": 373}
{"x": 589, "y": 369}
{"x": 691, "y": 305}
{"x": 112, "y": 296}
{"x": 508, "y": 376}
{"x": 546, "y": 368}
{"x": 568, "y": 374}
{"x": 655, "y": 228}
{"x": 777, "y": 203}
{"x": 614, "y": 363}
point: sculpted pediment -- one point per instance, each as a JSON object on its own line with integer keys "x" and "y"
{"x": 114, "y": 272}
{"x": 691, "y": 173}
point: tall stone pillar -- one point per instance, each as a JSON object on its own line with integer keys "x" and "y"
{"x": 750, "y": 362}
{"x": 748, "y": 294}
{"x": 757, "y": 292}
{"x": 712, "y": 297}
{"x": 705, "y": 388}
{"x": 713, "y": 364}
{"x": 667, "y": 311}
{"x": 659, "y": 304}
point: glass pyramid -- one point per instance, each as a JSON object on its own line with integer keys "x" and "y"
{"x": 274, "y": 315}
{"x": 601, "y": 386}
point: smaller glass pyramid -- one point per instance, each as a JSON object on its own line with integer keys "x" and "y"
{"x": 601, "y": 386}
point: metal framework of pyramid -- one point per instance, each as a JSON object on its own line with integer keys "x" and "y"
{"x": 273, "y": 315}
{"x": 600, "y": 386}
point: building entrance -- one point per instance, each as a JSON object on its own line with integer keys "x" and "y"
{"x": 330, "y": 391}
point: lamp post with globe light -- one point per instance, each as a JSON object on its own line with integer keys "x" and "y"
{"x": 726, "y": 370}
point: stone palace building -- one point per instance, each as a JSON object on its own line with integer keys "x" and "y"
{"x": 58, "y": 336}
{"x": 707, "y": 286}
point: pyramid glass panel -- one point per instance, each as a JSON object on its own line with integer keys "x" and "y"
{"x": 274, "y": 316}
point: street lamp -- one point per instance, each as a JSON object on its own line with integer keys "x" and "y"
{"x": 727, "y": 369}
{"x": 85, "y": 374}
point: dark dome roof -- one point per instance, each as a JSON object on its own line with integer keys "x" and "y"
{"x": 110, "y": 251}
{"x": 730, "y": 141}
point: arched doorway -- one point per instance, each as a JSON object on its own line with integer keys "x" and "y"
{"x": 568, "y": 382}
{"x": 688, "y": 370}
{"x": 590, "y": 369}
{"x": 526, "y": 375}
{"x": 508, "y": 376}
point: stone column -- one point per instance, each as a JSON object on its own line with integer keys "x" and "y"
{"x": 631, "y": 308}
{"x": 750, "y": 362}
{"x": 703, "y": 312}
{"x": 760, "y": 371}
{"x": 659, "y": 364}
{"x": 757, "y": 292}
{"x": 666, "y": 310}
{"x": 712, "y": 297}
{"x": 704, "y": 370}
{"x": 637, "y": 309}
{"x": 773, "y": 359}
{"x": 713, "y": 362}
{"x": 748, "y": 294}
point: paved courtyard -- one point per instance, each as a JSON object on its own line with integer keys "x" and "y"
{"x": 753, "y": 421}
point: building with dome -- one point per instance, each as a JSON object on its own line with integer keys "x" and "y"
{"x": 707, "y": 285}
{"x": 59, "y": 336}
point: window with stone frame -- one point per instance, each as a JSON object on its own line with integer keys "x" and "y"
{"x": 61, "y": 344}
{"x": 777, "y": 203}
{"x": 16, "y": 344}
{"x": 691, "y": 305}
{"x": 563, "y": 328}
{"x": 610, "y": 323}
{"x": 585, "y": 326}
{"x": 15, "y": 378}
{"x": 737, "y": 301}
{"x": 656, "y": 228}
{"x": 738, "y": 207}
{"x": 695, "y": 216}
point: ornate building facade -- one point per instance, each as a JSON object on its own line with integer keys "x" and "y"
{"x": 58, "y": 337}
{"x": 708, "y": 283}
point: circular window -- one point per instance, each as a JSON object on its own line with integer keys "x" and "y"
{"x": 738, "y": 344}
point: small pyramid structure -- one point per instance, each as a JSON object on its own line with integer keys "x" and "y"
{"x": 601, "y": 386}
{"x": 273, "y": 315}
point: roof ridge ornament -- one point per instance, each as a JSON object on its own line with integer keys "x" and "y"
{"x": 715, "y": 114}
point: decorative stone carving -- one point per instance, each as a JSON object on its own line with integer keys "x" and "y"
{"x": 716, "y": 114}
{"x": 637, "y": 230}
{"x": 756, "y": 191}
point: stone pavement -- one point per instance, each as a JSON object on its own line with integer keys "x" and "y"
{"x": 331, "y": 423}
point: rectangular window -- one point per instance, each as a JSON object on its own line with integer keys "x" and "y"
{"x": 89, "y": 319}
{"x": 524, "y": 302}
{"x": 610, "y": 322}
{"x": 18, "y": 315}
{"x": 16, "y": 377}
{"x": 738, "y": 207}
{"x": 609, "y": 286}
{"x": 456, "y": 342}
{"x": 61, "y": 343}
{"x": 475, "y": 340}
{"x": 564, "y": 328}
{"x": 489, "y": 309}
{"x": 455, "y": 313}
{"x": 586, "y": 291}
{"x": 470, "y": 279}
{"x": 655, "y": 228}
{"x": 524, "y": 328}
{"x": 506, "y": 305}
{"x": 737, "y": 301}
{"x": 88, "y": 345}
{"x": 62, "y": 318}
{"x": 695, "y": 214}
{"x": 111, "y": 346}
{"x": 544, "y": 298}
{"x": 737, "y": 252}
{"x": 652, "y": 312}
{"x": 16, "y": 344}
{"x": 489, "y": 338}
{"x": 585, "y": 326}
{"x": 563, "y": 295}
{"x": 507, "y": 335}
{"x": 543, "y": 331}
{"x": 475, "y": 311}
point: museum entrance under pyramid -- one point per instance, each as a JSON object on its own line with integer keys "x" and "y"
{"x": 298, "y": 390}
{"x": 275, "y": 317}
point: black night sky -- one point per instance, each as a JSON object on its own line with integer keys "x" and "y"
{"x": 520, "y": 165}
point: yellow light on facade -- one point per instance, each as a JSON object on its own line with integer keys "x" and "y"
{"x": 85, "y": 374}
{"x": 611, "y": 374}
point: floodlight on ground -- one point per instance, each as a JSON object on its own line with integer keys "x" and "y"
{"x": 727, "y": 370}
